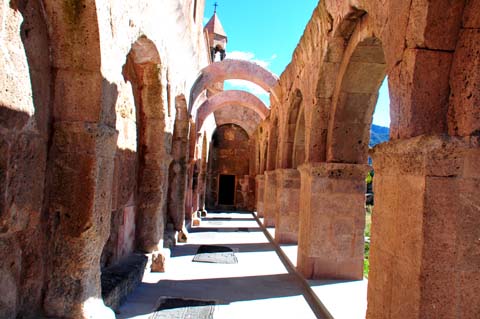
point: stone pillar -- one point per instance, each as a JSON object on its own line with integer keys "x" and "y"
{"x": 270, "y": 198}
{"x": 260, "y": 185}
{"x": 202, "y": 187}
{"x": 195, "y": 187}
{"x": 251, "y": 193}
{"x": 81, "y": 175}
{"x": 152, "y": 199}
{"x": 178, "y": 188}
{"x": 332, "y": 220}
{"x": 288, "y": 197}
{"x": 425, "y": 249}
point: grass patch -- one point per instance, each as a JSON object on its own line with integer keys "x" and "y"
{"x": 368, "y": 225}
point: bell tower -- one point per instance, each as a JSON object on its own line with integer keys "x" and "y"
{"x": 216, "y": 36}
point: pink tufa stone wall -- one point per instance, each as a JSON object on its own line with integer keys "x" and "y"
{"x": 429, "y": 52}
{"x": 25, "y": 111}
{"x": 86, "y": 87}
{"x": 288, "y": 199}
{"x": 74, "y": 132}
{"x": 430, "y": 184}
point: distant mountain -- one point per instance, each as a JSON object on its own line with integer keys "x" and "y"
{"x": 378, "y": 134}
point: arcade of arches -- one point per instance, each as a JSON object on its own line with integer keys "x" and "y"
{"x": 116, "y": 136}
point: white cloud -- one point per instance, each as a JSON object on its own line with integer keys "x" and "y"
{"x": 249, "y": 56}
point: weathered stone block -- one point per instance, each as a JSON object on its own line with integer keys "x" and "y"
{"x": 260, "y": 180}
{"x": 464, "y": 113}
{"x": 471, "y": 18}
{"x": 324, "y": 231}
{"x": 88, "y": 138}
{"x": 433, "y": 202}
{"x": 270, "y": 198}
{"x": 121, "y": 279}
{"x": 158, "y": 262}
{"x": 353, "y": 151}
{"x": 419, "y": 90}
{"x": 196, "y": 222}
{"x": 10, "y": 269}
{"x": 71, "y": 103}
{"x": 434, "y": 25}
{"x": 288, "y": 206}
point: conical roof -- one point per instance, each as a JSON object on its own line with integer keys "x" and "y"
{"x": 214, "y": 26}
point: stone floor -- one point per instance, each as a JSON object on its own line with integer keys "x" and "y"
{"x": 342, "y": 299}
{"x": 259, "y": 286}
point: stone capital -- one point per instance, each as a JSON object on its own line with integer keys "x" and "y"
{"x": 334, "y": 170}
{"x": 433, "y": 156}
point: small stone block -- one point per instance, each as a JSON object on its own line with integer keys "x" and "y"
{"x": 158, "y": 262}
{"x": 182, "y": 236}
{"x": 195, "y": 222}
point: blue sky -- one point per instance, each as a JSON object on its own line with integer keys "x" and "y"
{"x": 267, "y": 32}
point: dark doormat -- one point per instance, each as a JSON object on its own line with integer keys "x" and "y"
{"x": 215, "y": 254}
{"x": 178, "y": 308}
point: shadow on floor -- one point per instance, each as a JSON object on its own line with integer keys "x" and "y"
{"x": 222, "y": 290}
{"x": 216, "y": 229}
{"x": 190, "y": 250}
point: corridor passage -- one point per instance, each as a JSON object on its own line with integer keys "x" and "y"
{"x": 258, "y": 286}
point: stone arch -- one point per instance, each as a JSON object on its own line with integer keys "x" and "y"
{"x": 135, "y": 117}
{"x": 361, "y": 74}
{"x": 228, "y": 70}
{"x": 227, "y": 98}
{"x": 286, "y": 160}
{"x": 143, "y": 70}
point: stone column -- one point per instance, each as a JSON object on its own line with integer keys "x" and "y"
{"x": 195, "y": 187}
{"x": 332, "y": 220}
{"x": 81, "y": 175}
{"x": 189, "y": 194}
{"x": 176, "y": 205}
{"x": 425, "y": 249}
{"x": 202, "y": 187}
{"x": 251, "y": 193}
{"x": 152, "y": 199}
{"x": 270, "y": 198}
{"x": 288, "y": 197}
{"x": 260, "y": 181}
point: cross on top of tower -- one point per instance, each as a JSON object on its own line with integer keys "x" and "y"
{"x": 215, "y": 5}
